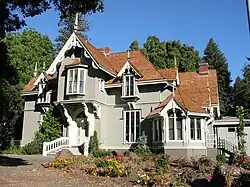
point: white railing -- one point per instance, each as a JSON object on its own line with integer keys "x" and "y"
{"x": 211, "y": 140}
{"x": 56, "y": 144}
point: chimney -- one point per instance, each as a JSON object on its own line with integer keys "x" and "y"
{"x": 106, "y": 51}
{"x": 203, "y": 70}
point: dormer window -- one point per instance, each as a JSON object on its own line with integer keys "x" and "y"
{"x": 76, "y": 81}
{"x": 128, "y": 85}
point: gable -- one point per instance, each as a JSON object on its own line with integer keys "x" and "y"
{"x": 127, "y": 65}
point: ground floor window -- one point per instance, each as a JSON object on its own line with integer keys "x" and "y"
{"x": 158, "y": 129}
{"x": 195, "y": 129}
{"x": 132, "y": 120}
{"x": 175, "y": 124}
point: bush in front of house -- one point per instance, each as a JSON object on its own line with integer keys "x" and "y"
{"x": 140, "y": 147}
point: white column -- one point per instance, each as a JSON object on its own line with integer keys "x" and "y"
{"x": 73, "y": 130}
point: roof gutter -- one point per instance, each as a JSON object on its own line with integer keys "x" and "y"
{"x": 29, "y": 93}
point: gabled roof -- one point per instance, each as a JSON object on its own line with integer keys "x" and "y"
{"x": 146, "y": 69}
{"x": 183, "y": 100}
{"x": 97, "y": 55}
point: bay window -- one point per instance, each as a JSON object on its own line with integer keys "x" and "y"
{"x": 76, "y": 81}
{"x": 175, "y": 125}
{"x": 132, "y": 120}
{"x": 195, "y": 129}
{"x": 128, "y": 85}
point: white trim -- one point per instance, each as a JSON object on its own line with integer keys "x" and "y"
{"x": 126, "y": 65}
{"x": 29, "y": 93}
{"x": 79, "y": 70}
{"x": 198, "y": 114}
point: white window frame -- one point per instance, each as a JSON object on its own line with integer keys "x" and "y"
{"x": 124, "y": 85}
{"x": 78, "y": 81}
{"x": 175, "y": 128}
{"x": 157, "y": 124}
{"x": 196, "y": 129}
{"x": 124, "y": 125}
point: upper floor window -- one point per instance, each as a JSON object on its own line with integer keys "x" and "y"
{"x": 128, "y": 85}
{"x": 76, "y": 81}
{"x": 195, "y": 129}
{"x": 132, "y": 120}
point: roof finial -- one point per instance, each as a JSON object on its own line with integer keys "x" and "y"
{"x": 76, "y": 23}
{"x": 175, "y": 63}
{"x": 43, "y": 66}
{"x": 35, "y": 70}
{"x": 128, "y": 58}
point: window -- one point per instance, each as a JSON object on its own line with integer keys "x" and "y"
{"x": 158, "y": 129}
{"x": 128, "y": 85}
{"x": 132, "y": 120}
{"x": 175, "y": 125}
{"x": 76, "y": 81}
{"x": 195, "y": 129}
{"x": 231, "y": 129}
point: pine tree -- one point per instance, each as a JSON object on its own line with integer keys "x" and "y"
{"x": 134, "y": 46}
{"x": 66, "y": 27}
{"x": 216, "y": 60}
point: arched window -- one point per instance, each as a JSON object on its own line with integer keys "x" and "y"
{"x": 175, "y": 124}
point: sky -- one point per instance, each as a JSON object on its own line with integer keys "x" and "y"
{"x": 192, "y": 22}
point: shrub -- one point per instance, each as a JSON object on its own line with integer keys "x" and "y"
{"x": 14, "y": 150}
{"x": 93, "y": 143}
{"x": 126, "y": 153}
{"x": 162, "y": 163}
{"x": 221, "y": 158}
{"x": 100, "y": 153}
{"x": 33, "y": 148}
{"x": 140, "y": 147}
{"x": 242, "y": 181}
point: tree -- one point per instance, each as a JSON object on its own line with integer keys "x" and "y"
{"x": 25, "y": 50}
{"x": 170, "y": 54}
{"x": 66, "y": 28}
{"x": 50, "y": 129}
{"x": 216, "y": 60}
{"x": 241, "y": 130}
{"x": 134, "y": 46}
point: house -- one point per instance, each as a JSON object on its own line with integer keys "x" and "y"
{"x": 122, "y": 95}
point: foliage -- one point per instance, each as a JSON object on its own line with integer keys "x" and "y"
{"x": 221, "y": 158}
{"x": 151, "y": 180}
{"x": 11, "y": 107}
{"x": 108, "y": 167}
{"x": 26, "y": 49}
{"x": 94, "y": 143}
{"x": 164, "y": 54}
{"x": 162, "y": 163}
{"x": 66, "y": 28}
{"x": 241, "y": 130}
{"x": 126, "y": 153}
{"x": 134, "y": 46}
{"x": 100, "y": 153}
{"x": 140, "y": 147}
{"x": 14, "y": 150}
{"x": 50, "y": 129}
{"x": 216, "y": 60}
{"x": 242, "y": 181}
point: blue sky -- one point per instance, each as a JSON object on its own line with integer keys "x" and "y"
{"x": 192, "y": 22}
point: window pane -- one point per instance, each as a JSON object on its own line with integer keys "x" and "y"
{"x": 132, "y": 126}
{"x": 179, "y": 128}
{"x": 127, "y": 126}
{"x": 75, "y": 81}
{"x": 198, "y": 123}
{"x": 171, "y": 128}
{"x": 127, "y": 86}
{"x": 160, "y": 129}
{"x": 81, "y": 88}
{"x": 192, "y": 129}
{"x": 137, "y": 124}
{"x": 70, "y": 81}
{"x": 156, "y": 130}
{"x": 132, "y": 85}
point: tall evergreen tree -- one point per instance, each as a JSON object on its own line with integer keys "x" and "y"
{"x": 216, "y": 60}
{"x": 66, "y": 27}
{"x": 163, "y": 54}
{"x": 134, "y": 46}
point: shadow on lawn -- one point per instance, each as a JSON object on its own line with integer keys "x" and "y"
{"x": 9, "y": 161}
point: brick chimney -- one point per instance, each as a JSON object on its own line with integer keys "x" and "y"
{"x": 105, "y": 50}
{"x": 203, "y": 70}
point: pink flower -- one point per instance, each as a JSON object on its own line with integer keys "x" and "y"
{"x": 209, "y": 178}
